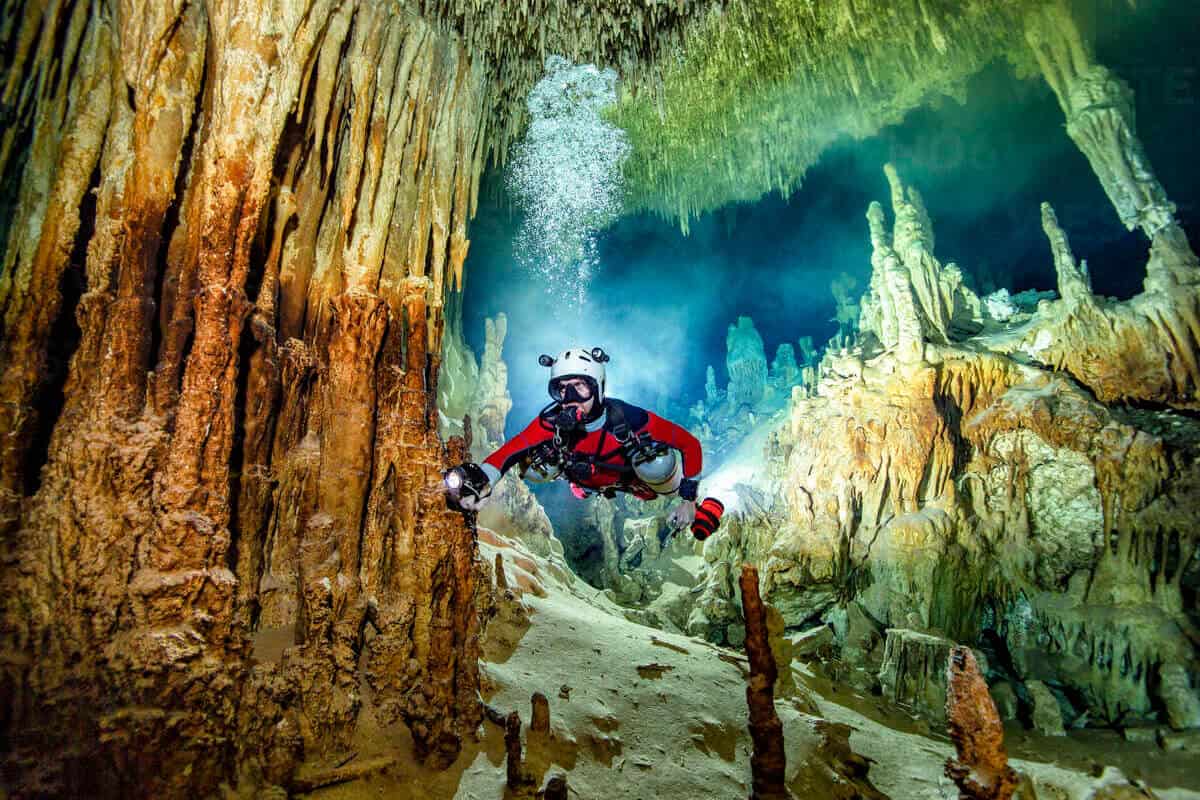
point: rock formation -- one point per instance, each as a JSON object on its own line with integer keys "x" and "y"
{"x": 768, "y": 761}
{"x": 756, "y": 96}
{"x": 481, "y": 395}
{"x": 783, "y": 367}
{"x": 914, "y": 671}
{"x": 1155, "y": 333}
{"x": 955, "y": 492}
{"x": 746, "y": 363}
{"x": 912, "y": 297}
{"x": 981, "y": 769}
{"x": 247, "y": 431}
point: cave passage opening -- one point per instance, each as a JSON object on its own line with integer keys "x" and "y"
{"x": 661, "y": 302}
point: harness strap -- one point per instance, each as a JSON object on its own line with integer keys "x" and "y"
{"x": 620, "y": 428}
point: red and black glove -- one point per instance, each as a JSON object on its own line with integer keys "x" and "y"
{"x": 708, "y": 518}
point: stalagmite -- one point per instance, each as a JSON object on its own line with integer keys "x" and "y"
{"x": 512, "y": 747}
{"x": 1074, "y": 284}
{"x": 768, "y": 760}
{"x": 501, "y": 579}
{"x": 912, "y": 298}
{"x": 746, "y": 363}
{"x": 980, "y": 769}
{"x": 1047, "y": 716}
{"x": 540, "y": 721}
{"x": 491, "y": 402}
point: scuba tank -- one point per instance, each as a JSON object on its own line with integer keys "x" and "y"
{"x": 654, "y": 463}
{"x": 662, "y": 472}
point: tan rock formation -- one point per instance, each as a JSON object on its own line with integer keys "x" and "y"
{"x": 947, "y": 488}
{"x": 912, "y": 297}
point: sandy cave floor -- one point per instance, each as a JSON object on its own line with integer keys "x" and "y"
{"x": 639, "y": 713}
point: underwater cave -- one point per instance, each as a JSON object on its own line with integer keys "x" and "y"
{"x": 530, "y": 400}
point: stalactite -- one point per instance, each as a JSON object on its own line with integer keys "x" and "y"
{"x": 777, "y": 78}
{"x": 66, "y": 122}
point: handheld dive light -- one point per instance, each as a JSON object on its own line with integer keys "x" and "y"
{"x": 466, "y": 487}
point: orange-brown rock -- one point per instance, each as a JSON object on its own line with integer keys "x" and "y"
{"x": 981, "y": 769}
{"x": 768, "y": 760}
{"x": 247, "y": 447}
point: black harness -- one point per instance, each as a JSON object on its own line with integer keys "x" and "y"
{"x": 559, "y": 452}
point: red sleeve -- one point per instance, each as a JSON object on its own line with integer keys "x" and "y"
{"x": 508, "y": 453}
{"x": 667, "y": 432}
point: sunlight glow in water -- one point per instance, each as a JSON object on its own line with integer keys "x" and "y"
{"x": 566, "y": 176}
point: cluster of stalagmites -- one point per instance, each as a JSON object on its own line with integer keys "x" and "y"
{"x": 755, "y": 390}
{"x": 959, "y": 495}
{"x": 961, "y": 474}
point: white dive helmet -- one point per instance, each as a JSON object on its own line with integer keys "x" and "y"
{"x": 578, "y": 362}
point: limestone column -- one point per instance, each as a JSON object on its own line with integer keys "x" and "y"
{"x": 1099, "y": 109}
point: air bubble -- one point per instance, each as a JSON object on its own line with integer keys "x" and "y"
{"x": 566, "y": 178}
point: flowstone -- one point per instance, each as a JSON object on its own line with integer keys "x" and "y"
{"x": 914, "y": 671}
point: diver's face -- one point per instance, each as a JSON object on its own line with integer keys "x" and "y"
{"x": 581, "y": 389}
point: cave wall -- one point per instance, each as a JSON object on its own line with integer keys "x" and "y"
{"x": 247, "y": 431}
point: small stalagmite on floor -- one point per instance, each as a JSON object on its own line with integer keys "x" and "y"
{"x": 768, "y": 761}
{"x": 540, "y": 722}
{"x": 512, "y": 745}
{"x": 981, "y": 769}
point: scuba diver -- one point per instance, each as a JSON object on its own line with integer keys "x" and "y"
{"x": 600, "y": 444}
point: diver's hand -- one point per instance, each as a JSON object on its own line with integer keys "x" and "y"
{"x": 681, "y": 516}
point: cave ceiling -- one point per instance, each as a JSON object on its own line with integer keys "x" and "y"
{"x": 726, "y": 101}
